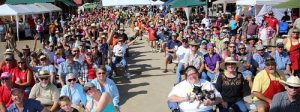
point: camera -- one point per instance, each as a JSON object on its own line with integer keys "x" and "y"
{"x": 202, "y": 94}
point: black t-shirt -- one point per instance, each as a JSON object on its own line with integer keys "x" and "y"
{"x": 231, "y": 89}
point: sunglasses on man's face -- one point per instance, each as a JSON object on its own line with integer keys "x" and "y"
{"x": 70, "y": 80}
{"x": 46, "y": 78}
{"x": 86, "y": 90}
{"x": 291, "y": 87}
{"x": 8, "y": 60}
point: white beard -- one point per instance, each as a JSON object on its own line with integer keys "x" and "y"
{"x": 44, "y": 85}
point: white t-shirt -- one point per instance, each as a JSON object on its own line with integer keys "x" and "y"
{"x": 120, "y": 50}
{"x": 181, "y": 52}
{"x": 206, "y": 21}
{"x": 184, "y": 88}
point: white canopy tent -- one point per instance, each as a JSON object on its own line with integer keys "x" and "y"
{"x": 258, "y": 2}
{"x": 49, "y": 6}
{"x": 11, "y": 10}
{"x": 130, "y": 2}
{"x": 41, "y": 9}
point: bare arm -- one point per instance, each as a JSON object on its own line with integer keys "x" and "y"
{"x": 2, "y": 109}
{"x": 35, "y": 42}
{"x": 29, "y": 79}
{"x": 262, "y": 97}
{"x": 52, "y": 77}
{"x": 130, "y": 43}
{"x": 175, "y": 98}
{"x": 104, "y": 100}
{"x": 288, "y": 70}
{"x": 61, "y": 80}
{"x": 54, "y": 106}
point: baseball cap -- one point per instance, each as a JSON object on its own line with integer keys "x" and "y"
{"x": 5, "y": 75}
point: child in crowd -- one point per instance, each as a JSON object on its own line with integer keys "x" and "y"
{"x": 65, "y": 105}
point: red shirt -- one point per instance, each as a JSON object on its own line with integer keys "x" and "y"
{"x": 151, "y": 34}
{"x": 14, "y": 71}
{"x": 23, "y": 77}
{"x": 272, "y": 22}
{"x": 5, "y": 97}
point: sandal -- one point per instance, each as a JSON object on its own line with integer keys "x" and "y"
{"x": 165, "y": 71}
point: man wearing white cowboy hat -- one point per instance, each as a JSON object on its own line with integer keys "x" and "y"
{"x": 45, "y": 92}
{"x": 289, "y": 100}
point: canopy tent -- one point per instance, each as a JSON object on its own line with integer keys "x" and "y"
{"x": 49, "y": 6}
{"x": 186, "y": 3}
{"x": 13, "y": 2}
{"x": 41, "y": 9}
{"x": 25, "y": 8}
{"x": 224, "y": 2}
{"x": 288, "y": 4}
{"x": 130, "y": 2}
{"x": 258, "y": 2}
{"x": 11, "y": 10}
{"x": 89, "y": 5}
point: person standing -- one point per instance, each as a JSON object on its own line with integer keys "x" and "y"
{"x": 292, "y": 44}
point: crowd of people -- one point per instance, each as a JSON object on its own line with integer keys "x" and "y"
{"x": 83, "y": 52}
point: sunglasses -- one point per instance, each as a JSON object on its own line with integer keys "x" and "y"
{"x": 86, "y": 90}
{"x": 293, "y": 87}
{"x": 70, "y": 80}
{"x": 101, "y": 73}
{"x": 230, "y": 64}
{"x": 5, "y": 79}
{"x": 242, "y": 48}
{"x": 75, "y": 51}
{"x": 231, "y": 46}
{"x": 8, "y": 60}
{"x": 44, "y": 78}
{"x": 94, "y": 47}
{"x": 296, "y": 32}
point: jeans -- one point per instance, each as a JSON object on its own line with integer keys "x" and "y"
{"x": 108, "y": 70}
{"x": 180, "y": 67}
{"x": 208, "y": 76}
{"x": 122, "y": 62}
{"x": 238, "y": 106}
{"x": 42, "y": 36}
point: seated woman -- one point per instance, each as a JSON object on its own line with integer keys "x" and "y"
{"x": 230, "y": 85}
{"x": 24, "y": 79}
{"x": 98, "y": 102}
{"x": 74, "y": 91}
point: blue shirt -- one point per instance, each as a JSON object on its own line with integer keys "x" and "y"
{"x": 30, "y": 105}
{"x": 65, "y": 68}
{"x": 172, "y": 43}
{"x": 75, "y": 93}
{"x": 259, "y": 61}
{"x": 109, "y": 87}
{"x": 281, "y": 60}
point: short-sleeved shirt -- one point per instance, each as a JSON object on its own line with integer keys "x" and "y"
{"x": 64, "y": 68}
{"x": 281, "y": 103}
{"x": 194, "y": 60}
{"x": 259, "y": 61}
{"x": 261, "y": 81}
{"x": 120, "y": 50}
{"x": 181, "y": 52}
{"x": 5, "y": 98}
{"x": 30, "y": 105}
{"x": 47, "y": 95}
{"x": 184, "y": 88}
{"x": 212, "y": 61}
{"x": 281, "y": 60}
{"x": 244, "y": 59}
{"x": 272, "y": 22}
{"x": 50, "y": 68}
{"x": 172, "y": 43}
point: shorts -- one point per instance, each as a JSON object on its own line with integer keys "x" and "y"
{"x": 260, "y": 102}
{"x": 170, "y": 56}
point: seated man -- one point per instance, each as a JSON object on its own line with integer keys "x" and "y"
{"x": 282, "y": 59}
{"x": 266, "y": 85}
{"x": 28, "y": 105}
{"x": 184, "y": 94}
{"x": 289, "y": 100}
{"x": 45, "y": 92}
{"x": 6, "y": 85}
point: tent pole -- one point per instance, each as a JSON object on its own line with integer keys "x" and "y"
{"x": 17, "y": 22}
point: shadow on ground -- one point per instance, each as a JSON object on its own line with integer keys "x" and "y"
{"x": 125, "y": 94}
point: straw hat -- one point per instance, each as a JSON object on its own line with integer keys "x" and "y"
{"x": 194, "y": 43}
{"x": 293, "y": 81}
{"x": 43, "y": 73}
{"x": 229, "y": 60}
{"x": 26, "y": 47}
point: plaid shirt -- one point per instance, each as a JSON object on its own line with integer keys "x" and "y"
{"x": 85, "y": 70}
{"x": 64, "y": 68}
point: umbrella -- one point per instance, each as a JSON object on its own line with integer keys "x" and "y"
{"x": 186, "y": 3}
{"x": 288, "y": 4}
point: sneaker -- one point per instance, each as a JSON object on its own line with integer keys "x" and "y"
{"x": 127, "y": 75}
